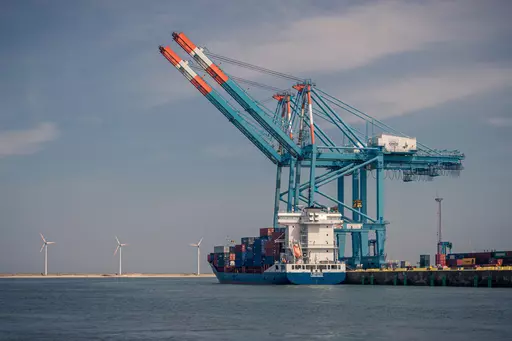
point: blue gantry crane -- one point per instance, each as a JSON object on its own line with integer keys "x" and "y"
{"x": 306, "y": 133}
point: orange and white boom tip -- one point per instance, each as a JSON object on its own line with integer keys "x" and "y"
{"x": 198, "y": 54}
{"x": 184, "y": 42}
{"x": 185, "y": 69}
{"x": 170, "y": 55}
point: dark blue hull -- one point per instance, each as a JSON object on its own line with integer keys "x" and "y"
{"x": 248, "y": 278}
{"x": 275, "y": 278}
{"x": 326, "y": 278}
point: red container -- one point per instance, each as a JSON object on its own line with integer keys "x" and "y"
{"x": 266, "y": 231}
{"x": 440, "y": 259}
{"x": 277, "y": 235}
{"x": 240, "y": 248}
{"x": 231, "y": 256}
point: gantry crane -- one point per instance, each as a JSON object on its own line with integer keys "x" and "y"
{"x": 291, "y": 137}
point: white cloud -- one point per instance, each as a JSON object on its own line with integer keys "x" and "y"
{"x": 22, "y": 142}
{"x": 352, "y": 38}
{"x": 426, "y": 91}
{"x": 500, "y": 121}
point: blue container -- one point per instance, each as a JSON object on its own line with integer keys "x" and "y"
{"x": 241, "y": 255}
{"x": 249, "y": 262}
{"x": 239, "y": 263}
{"x": 257, "y": 260}
{"x": 248, "y": 240}
{"x": 220, "y": 263}
{"x": 249, "y": 255}
{"x": 269, "y": 260}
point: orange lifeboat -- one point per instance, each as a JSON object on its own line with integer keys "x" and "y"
{"x": 296, "y": 251}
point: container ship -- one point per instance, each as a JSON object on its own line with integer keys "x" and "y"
{"x": 301, "y": 251}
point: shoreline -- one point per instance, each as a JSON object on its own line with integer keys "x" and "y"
{"x": 128, "y": 275}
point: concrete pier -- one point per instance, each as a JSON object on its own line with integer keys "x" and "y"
{"x": 453, "y": 278}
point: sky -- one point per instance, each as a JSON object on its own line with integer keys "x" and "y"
{"x": 100, "y": 136}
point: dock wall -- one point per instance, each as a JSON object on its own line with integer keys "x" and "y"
{"x": 457, "y": 278}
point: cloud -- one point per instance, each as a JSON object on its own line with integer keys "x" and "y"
{"x": 429, "y": 90}
{"x": 354, "y": 37}
{"x": 500, "y": 121}
{"x": 23, "y": 142}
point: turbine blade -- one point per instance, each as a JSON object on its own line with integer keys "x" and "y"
{"x": 124, "y": 244}
{"x": 118, "y": 242}
{"x": 50, "y": 242}
{"x": 117, "y": 248}
{"x": 200, "y": 242}
{"x": 195, "y": 245}
{"x": 42, "y": 237}
{"x": 42, "y": 247}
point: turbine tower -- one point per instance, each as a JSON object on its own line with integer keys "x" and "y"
{"x": 198, "y": 245}
{"x": 45, "y": 246}
{"x": 119, "y": 247}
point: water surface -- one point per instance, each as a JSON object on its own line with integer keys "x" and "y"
{"x": 201, "y": 309}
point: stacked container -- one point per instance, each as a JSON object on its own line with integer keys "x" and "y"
{"x": 265, "y": 232}
{"x": 424, "y": 261}
{"x": 440, "y": 259}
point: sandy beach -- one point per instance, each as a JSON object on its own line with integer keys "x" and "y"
{"x": 128, "y": 275}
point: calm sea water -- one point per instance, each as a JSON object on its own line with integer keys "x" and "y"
{"x": 201, "y": 309}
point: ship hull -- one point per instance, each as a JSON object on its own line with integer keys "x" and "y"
{"x": 251, "y": 278}
{"x": 307, "y": 278}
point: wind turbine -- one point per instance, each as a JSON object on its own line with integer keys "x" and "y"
{"x": 45, "y": 247}
{"x": 119, "y": 247}
{"x": 198, "y": 253}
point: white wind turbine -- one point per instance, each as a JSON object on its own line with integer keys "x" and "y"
{"x": 119, "y": 247}
{"x": 45, "y": 247}
{"x": 198, "y": 245}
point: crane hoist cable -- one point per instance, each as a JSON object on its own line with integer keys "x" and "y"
{"x": 246, "y": 81}
{"x": 252, "y": 67}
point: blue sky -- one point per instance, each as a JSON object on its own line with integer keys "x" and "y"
{"x": 100, "y": 136}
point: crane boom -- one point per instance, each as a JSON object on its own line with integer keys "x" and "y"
{"x": 235, "y": 91}
{"x": 221, "y": 104}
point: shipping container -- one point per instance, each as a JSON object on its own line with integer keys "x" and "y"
{"x": 440, "y": 259}
{"x": 248, "y": 241}
{"x": 266, "y": 231}
{"x": 221, "y": 249}
{"x": 424, "y": 261}
{"x": 277, "y": 235}
{"x": 499, "y": 254}
{"x": 269, "y": 260}
{"x": 240, "y": 248}
{"x": 232, "y": 256}
{"x": 467, "y": 261}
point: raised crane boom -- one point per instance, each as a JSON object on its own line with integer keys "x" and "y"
{"x": 221, "y": 104}
{"x": 235, "y": 91}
